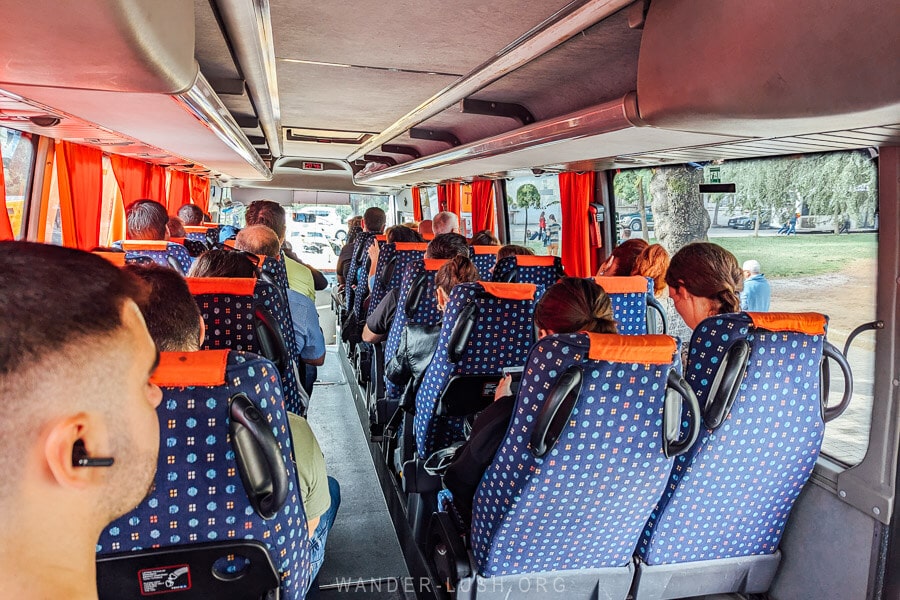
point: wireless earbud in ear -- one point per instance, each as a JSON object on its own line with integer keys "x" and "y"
{"x": 80, "y": 457}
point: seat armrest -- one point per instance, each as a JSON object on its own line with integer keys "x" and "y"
{"x": 447, "y": 551}
{"x": 416, "y": 480}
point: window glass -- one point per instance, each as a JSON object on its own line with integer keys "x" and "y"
{"x": 811, "y": 222}
{"x": 535, "y": 219}
{"x": 17, "y": 150}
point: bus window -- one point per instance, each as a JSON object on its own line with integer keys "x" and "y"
{"x": 775, "y": 217}
{"x": 17, "y": 150}
{"x": 534, "y": 213}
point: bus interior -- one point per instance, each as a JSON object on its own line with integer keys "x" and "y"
{"x": 503, "y": 111}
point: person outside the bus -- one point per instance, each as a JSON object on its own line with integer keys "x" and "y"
{"x": 572, "y": 304}
{"x": 554, "y": 230}
{"x": 542, "y": 225}
{"x": 176, "y": 325}
{"x": 445, "y": 222}
{"x": 756, "y": 294}
{"x": 80, "y": 430}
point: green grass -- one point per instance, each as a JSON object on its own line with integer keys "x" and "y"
{"x": 801, "y": 255}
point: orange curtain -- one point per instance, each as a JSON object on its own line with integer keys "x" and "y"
{"x": 156, "y": 185}
{"x": 576, "y": 191}
{"x": 482, "y": 206}
{"x": 6, "y": 232}
{"x": 179, "y": 190}
{"x": 132, "y": 175}
{"x": 200, "y": 192}
{"x": 442, "y": 197}
{"x": 453, "y": 197}
{"x": 84, "y": 171}
{"x": 417, "y": 204}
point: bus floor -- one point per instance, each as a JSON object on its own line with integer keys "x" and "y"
{"x": 362, "y": 554}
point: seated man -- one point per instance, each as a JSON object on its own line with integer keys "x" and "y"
{"x": 302, "y": 278}
{"x": 80, "y": 431}
{"x": 354, "y": 226}
{"x": 146, "y": 220}
{"x": 174, "y": 321}
{"x": 190, "y": 214}
{"x": 445, "y": 222}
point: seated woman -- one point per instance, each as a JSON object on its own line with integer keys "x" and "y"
{"x": 621, "y": 261}
{"x": 573, "y": 304}
{"x": 418, "y": 342}
{"x": 485, "y": 238}
{"x": 704, "y": 280}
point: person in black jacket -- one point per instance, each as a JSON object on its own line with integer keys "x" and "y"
{"x": 573, "y": 304}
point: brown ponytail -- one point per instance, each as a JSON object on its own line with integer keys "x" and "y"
{"x": 708, "y": 271}
{"x": 458, "y": 269}
{"x": 575, "y": 304}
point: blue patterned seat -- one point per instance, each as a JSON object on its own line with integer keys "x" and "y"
{"x": 542, "y": 271}
{"x": 582, "y": 465}
{"x": 718, "y": 526}
{"x": 392, "y": 261}
{"x": 235, "y": 309}
{"x": 167, "y": 254}
{"x": 500, "y": 319}
{"x": 484, "y": 258}
{"x": 200, "y": 498}
{"x": 359, "y": 258}
{"x": 629, "y": 301}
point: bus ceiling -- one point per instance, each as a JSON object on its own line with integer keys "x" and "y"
{"x": 399, "y": 95}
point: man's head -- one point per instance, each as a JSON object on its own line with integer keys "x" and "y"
{"x": 75, "y": 366}
{"x": 374, "y": 219}
{"x": 445, "y": 222}
{"x": 447, "y": 245}
{"x": 172, "y": 316}
{"x": 258, "y": 239}
{"x": 751, "y": 267}
{"x": 146, "y": 220}
{"x": 175, "y": 228}
{"x": 268, "y": 213}
{"x": 191, "y": 214}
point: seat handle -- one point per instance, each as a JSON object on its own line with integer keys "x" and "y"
{"x": 653, "y": 303}
{"x": 830, "y": 352}
{"x": 677, "y": 393}
{"x": 556, "y": 411}
{"x": 459, "y": 338}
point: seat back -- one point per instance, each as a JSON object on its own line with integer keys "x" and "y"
{"x": 484, "y": 258}
{"x": 224, "y": 433}
{"x": 486, "y": 327}
{"x": 416, "y": 304}
{"x": 167, "y": 254}
{"x": 731, "y": 494}
{"x": 120, "y": 259}
{"x": 249, "y": 315}
{"x": 198, "y": 233}
{"x": 629, "y": 301}
{"x": 543, "y": 271}
{"x": 358, "y": 259}
{"x": 392, "y": 261}
{"x": 579, "y": 500}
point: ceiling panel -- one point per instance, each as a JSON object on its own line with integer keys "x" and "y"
{"x": 211, "y": 49}
{"x": 419, "y": 35}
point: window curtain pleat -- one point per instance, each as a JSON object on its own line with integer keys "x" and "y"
{"x": 179, "y": 191}
{"x": 84, "y": 194}
{"x": 417, "y": 204}
{"x": 133, "y": 177}
{"x": 6, "y": 232}
{"x": 482, "y": 206}
{"x": 453, "y": 197}
{"x": 200, "y": 192}
{"x": 576, "y": 191}
{"x": 156, "y": 185}
{"x": 442, "y": 197}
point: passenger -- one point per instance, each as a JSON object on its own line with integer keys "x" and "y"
{"x": 418, "y": 342}
{"x": 302, "y": 278}
{"x": 426, "y": 227}
{"x": 513, "y": 250}
{"x": 191, "y": 214}
{"x": 394, "y": 234}
{"x": 653, "y": 262}
{"x": 379, "y": 322}
{"x": 176, "y": 325}
{"x": 485, "y": 238}
{"x": 445, "y": 222}
{"x": 80, "y": 431}
{"x": 554, "y": 230}
{"x": 704, "y": 280}
{"x": 621, "y": 261}
{"x": 224, "y": 263}
{"x": 756, "y": 294}
{"x": 146, "y": 220}
{"x": 572, "y": 304}
{"x": 260, "y": 240}
{"x": 175, "y": 228}
{"x": 354, "y": 228}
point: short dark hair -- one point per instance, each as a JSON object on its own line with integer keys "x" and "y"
{"x": 513, "y": 250}
{"x": 268, "y": 213}
{"x": 485, "y": 237}
{"x": 223, "y": 263}
{"x": 171, "y": 315}
{"x": 374, "y": 218}
{"x": 258, "y": 239}
{"x": 575, "y": 304}
{"x": 146, "y": 220}
{"x": 191, "y": 214}
{"x": 447, "y": 245}
{"x": 402, "y": 233}
{"x": 52, "y": 298}
{"x": 175, "y": 227}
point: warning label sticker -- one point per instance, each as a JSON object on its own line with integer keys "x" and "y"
{"x": 162, "y": 580}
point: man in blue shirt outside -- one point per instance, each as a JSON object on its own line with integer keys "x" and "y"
{"x": 756, "y": 293}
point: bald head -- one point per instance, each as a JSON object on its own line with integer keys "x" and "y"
{"x": 258, "y": 239}
{"x": 445, "y": 222}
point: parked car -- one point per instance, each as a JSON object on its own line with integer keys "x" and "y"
{"x": 633, "y": 221}
{"x": 324, "y": 216}
{"x": 747, "y": 223}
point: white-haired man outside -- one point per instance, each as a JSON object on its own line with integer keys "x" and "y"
{"x": 445, "y": 222}
{"x": 756, "y": 294}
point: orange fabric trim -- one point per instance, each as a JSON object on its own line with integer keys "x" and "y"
{"x": 428, "y": 236}
{"x": 229, "y": 243}
{"x": 410, "y": 246}
{"x": 808, "y": 323}
{"x": 622, "y": 285}
{"x": 433, "y": 264}
{"x": 526, "y": 260}
{"x": 643, "y": 349}
{"x": 238, "y": 286}
{"x": 145, "y": 245}
{"x": 209, "y": 225}
{"x": 196, "y": 228}
{"x": 205, "y": 368}
{"x": 510, "y": 291}
{"x": 176, "y": 240}
{"x": 380, "y": 237}
{"x": 116, "y": 258}
{"x": 486, "y": 249}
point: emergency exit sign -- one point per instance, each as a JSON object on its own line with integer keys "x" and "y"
{"x": 714, "y": 175}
